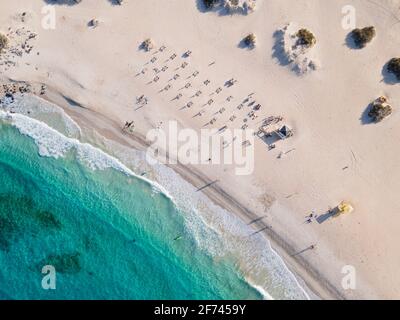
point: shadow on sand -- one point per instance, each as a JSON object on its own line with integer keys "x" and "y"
{"x": 312, "y": 247}
{"x": 115, "y": 2}
{"x": 242, "y": 45}
{"x": 350, "y": 43}
{"x": 270, "y": 140}
{"x": 327, "y": 215}
{"x": 256, "y": 220}
{"x": 278, "y": 51}
{"x": 388, "y": 77}
{"x": 62, "y": 2}
{"x": 259, "y": 231}
{"x": 365, "y": 118}
{"x": 218, "y": 8}
{"x": 74, "y": 2}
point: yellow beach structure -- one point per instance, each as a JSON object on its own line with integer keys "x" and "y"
{"x": 343, "y": 208}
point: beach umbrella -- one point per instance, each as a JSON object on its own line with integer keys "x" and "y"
{"x": 344, "y": 207}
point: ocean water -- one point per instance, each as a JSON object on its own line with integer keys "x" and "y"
{"x": 111, "y": 234}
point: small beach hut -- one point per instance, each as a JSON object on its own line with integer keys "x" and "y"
{"x": 284, "y": 132}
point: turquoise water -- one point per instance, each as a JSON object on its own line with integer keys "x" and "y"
{"x": 108, "y": 235}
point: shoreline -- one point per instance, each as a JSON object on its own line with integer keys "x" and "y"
{"x": 298, "y": 265}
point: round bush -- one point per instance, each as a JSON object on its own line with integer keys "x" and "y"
{"x": 306, "y": 38}
{"x": 363, "y": 36}
{"x": 3, "y": 42}
{"x": 394, "y": 67}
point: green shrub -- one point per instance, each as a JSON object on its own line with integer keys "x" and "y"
{"x": 379, "y": 111}
{"x": 250, "y": 40}
{"x": 147, "y": 45}
{"x": 3, "y": 42}
{"x": 306, "y": 38}
{"x": 394, "y": 67}
{"x": 363, "y": 36}
{"x": 209, "y": 4}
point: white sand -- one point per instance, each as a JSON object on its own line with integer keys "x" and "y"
{"x": 97, "y": 66}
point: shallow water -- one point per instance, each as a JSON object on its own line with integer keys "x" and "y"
{"x": 112, "y": 235}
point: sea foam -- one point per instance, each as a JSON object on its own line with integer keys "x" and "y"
{"x": 214, "y": 229}
{"x": 52, "y": 143}
{"x": 219, "y": 232}
{"x": 44, "y": 111}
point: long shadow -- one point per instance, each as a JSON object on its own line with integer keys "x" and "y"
{"x": 388, "y": 77}
{"x": 259, "y": 231}
{"x": 72, "y": 102}
{"x": 278, "y": 51}
{"x": 304, "y": 250}
{"x": 62, "y": 2}
{"x": 327, "y": 215}
{"x": 256, "y": 220}
{"x": 207, "y": 185}
{"x": 74, "y": 2}
{"x": 138, "y": 108}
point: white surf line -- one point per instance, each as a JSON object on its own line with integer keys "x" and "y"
{"x": 37, "y": 130}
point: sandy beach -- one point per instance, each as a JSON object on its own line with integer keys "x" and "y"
{"x": 92, "y": 64}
